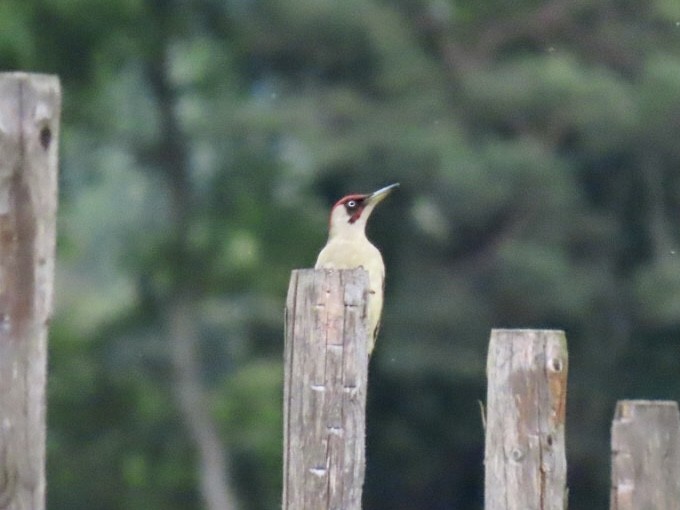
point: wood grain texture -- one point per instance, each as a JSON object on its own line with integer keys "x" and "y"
{"x": 29, "y": 128}
{"x": 525, "y": 463}
{"x": 645, "y": 456}
{"x": 326, "y": 369}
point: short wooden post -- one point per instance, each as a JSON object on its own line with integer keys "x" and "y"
{"x": 525, "y": 463}
{"x": 326, "y": 365}
{"x": 29, "y": 128}
{"x": 645, "y": 456}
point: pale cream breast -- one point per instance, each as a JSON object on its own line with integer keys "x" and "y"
{"x": 339, "y": 254}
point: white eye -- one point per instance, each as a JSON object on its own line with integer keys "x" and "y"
{"x": 351, "y": 204}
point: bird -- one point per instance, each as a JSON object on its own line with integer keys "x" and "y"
{"x": 348, "y": 248}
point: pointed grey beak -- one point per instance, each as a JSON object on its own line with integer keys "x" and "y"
{"x": 377, "y": 196}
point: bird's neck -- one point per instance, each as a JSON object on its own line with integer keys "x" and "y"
{"x": 350, "y": 232}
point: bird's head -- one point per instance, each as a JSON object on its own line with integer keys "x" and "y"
{"x": 350, "y": 213}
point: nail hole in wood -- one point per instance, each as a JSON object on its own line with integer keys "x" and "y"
{"x": 517, "y": 454}
{"x": 45, "y": 137}
{"x": 556, "y": 364}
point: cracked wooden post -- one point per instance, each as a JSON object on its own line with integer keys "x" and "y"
{"x": 525, "y": 463}
{"x": 645, "y": 456}
{"x": 325, "y": 364}
{"x": 29, "y": 128}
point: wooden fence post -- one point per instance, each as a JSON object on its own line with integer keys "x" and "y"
{"x": 525, "y": 464}
{"x": 645, "y": 456}
{"x": 325, "y": 366}
{"x": 29, "y": 128}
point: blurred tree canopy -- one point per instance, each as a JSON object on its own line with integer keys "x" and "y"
{"x": 203, "y": 142}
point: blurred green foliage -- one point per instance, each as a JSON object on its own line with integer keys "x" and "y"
{"x": 202, "y": 144}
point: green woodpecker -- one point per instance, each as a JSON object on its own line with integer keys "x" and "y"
{"x": 348, "y": 248}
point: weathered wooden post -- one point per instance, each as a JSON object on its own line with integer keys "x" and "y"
{"x": 326, "y": 365}
{"x": 29, "y": 128}
{"x": 645, "y": 456}
{"x": 525, "y": 463}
